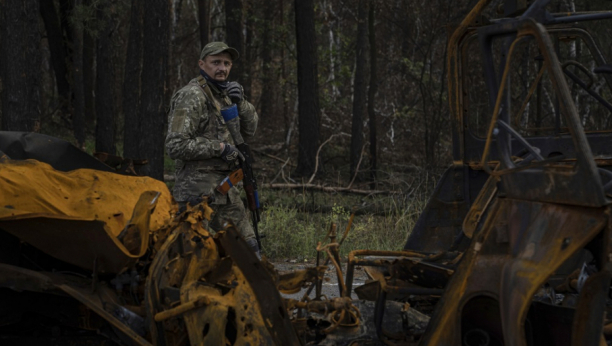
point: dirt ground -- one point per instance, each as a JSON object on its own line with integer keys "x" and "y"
{"x": 331, "y": 287}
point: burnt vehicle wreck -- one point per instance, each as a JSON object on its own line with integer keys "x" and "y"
{"x": 513, "y": 247}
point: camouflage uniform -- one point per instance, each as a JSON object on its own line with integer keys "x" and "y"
{"x": 195, "y": 132}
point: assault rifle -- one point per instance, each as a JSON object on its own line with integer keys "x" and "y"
{"x": 250, "y": 187}
{"x": 230, "y": 115}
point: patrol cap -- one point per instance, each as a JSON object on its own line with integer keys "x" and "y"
{"x": 214, "y": 48}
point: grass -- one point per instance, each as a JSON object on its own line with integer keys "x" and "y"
{"x": 291, "y": 233}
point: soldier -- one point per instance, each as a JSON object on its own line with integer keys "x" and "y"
{"x": 200, "y": 142}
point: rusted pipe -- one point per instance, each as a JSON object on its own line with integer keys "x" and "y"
{"x": 321, "y": 306}
{"x": 359, "y": 253}
{"x": 181, "y": 309}
{"x": 353, "y": 261}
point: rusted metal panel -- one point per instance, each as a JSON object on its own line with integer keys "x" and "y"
{"x": 509, "y": 270}
{"x": 439, "y": 227}
{"x": 591, "y": 308}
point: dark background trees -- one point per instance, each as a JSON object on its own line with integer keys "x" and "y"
{"x": 20, "y": 65}
{"x": 372, "y": 72}
{"x": 105, "y": 82}
{"x": 308, "y": 89}
{"x": 153, "y": 87}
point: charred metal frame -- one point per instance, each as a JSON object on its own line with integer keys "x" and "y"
{"x": 517, "y": 239}
{"x": 439, "y": 226}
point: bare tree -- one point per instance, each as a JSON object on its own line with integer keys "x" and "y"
{"x": 250, "y": 50}
{"x": 155, "y": 58}
{"x": 267, "y": 106}
{"x": 204, "y": 18}
{"x": 308, "y": 90}
{"x": 233, "y": 33}
{"x": 78, "y": 91}
{"x": 372, "y": 92}
{"x": 20, "y": 63}
{"x": 131, "y": 83}
{"x": 57, "y": 48}
{"x": 105, "y": 87}
{"x": 89, "y": 77}
{"x": 359, "y": 90}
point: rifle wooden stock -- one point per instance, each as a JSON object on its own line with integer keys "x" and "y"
{"x": 231, "y": 180}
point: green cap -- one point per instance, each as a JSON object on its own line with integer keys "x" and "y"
{"x": 214, "y": 48}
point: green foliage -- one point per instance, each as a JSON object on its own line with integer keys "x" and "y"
{"x": 90, "y": 146}
{"x": 288, "y": 233}
{"x": 339, "y": 214}
{"x": 169, "y": 164}
{"x": 291, "y": 233}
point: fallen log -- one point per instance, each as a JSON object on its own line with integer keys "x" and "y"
{"x": 333, "y": 189}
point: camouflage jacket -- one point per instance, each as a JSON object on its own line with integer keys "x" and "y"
{"x": 195, "y": 132}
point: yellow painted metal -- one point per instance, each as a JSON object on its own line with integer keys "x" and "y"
{"x": 76, "y": 216}
{"x": 31, "y": 187}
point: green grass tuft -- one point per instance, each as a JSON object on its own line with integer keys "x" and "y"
{"x": 291, "y": 233}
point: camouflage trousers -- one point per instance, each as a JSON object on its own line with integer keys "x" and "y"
{"x": 198, "y": 178}
{"x": 234, "y": 212}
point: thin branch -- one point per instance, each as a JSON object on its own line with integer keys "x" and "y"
{"x": 357, "y": 168}
{"x": 272, "y": 156}
{"x": 281, "y": 171}
{"x": 317, "y": 157}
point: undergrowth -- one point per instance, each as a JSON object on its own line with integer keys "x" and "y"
{"x": 292, "y": 233}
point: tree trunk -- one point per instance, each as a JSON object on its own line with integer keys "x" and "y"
{"x": 372, "y": 95}
{"x": 155, "y": 58}
{"x": 131, "y": 84}
{"x": 284, "y": 93}
{"x": 65, "y": 8}
{"x": 57, "y": 48}
{"x": 204, "y": 17}
{"x": 250, "y": 52}
{"x": 105, "y": 88}
{"x": 89, "y": 79}
{"x": 267, "y": 80}
{"x": 78, "y": 113}
{"x": 308, "y": 90}
{"x": 233, "y": 34}
{"x": 407, "y": 36}
{"x": 359, "y": 90}
{"x": 20, "y": 63}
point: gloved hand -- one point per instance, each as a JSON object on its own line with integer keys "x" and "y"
{"x": 230, "y": 153}
{"x": 235, "y": 92}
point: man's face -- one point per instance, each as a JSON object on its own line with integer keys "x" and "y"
{"x": 217, "y": 66}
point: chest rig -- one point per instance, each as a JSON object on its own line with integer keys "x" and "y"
{"x": 217, "y": 122}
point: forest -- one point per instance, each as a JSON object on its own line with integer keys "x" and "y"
{"x": 344, "y": 88}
